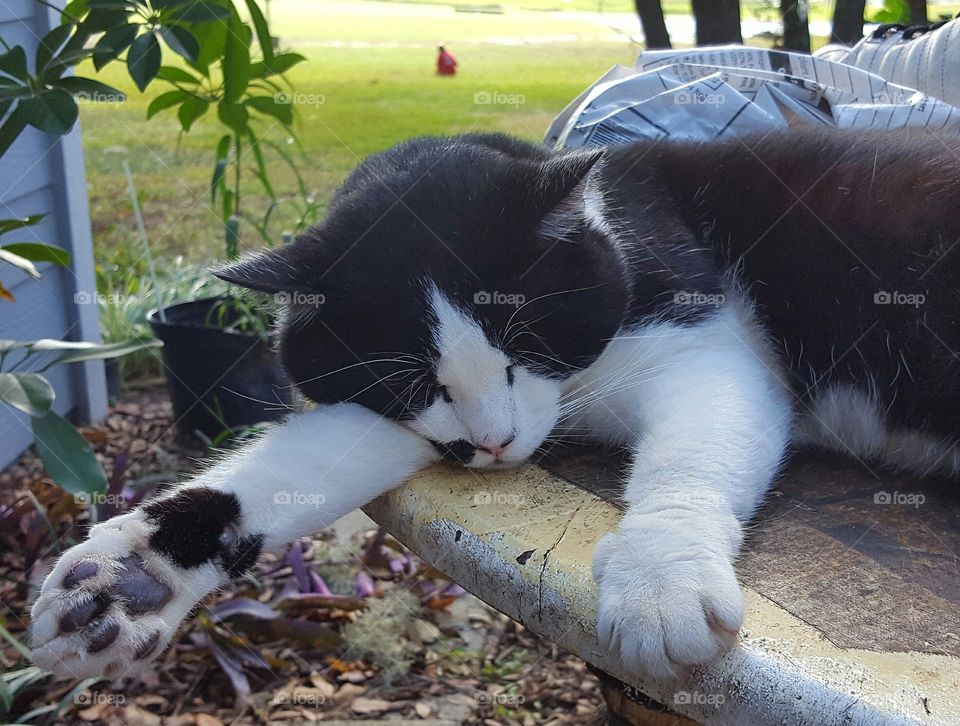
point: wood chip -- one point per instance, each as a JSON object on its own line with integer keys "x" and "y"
{"x": 369, "y": 706}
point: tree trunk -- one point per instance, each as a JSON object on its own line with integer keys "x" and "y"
{"x": 654, "y": 26}
{"x": 848, "y": 21}
{"x": 718, "y": 21}
{"x": 918, "y": 12}
{"x": 796, "y": 31}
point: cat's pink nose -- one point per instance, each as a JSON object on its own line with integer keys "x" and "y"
{"x": 496, "y": 449}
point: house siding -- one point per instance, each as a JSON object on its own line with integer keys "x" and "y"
{"x": 41, "y": 174}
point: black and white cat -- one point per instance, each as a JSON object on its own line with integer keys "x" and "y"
{"x": 706, "y": 305}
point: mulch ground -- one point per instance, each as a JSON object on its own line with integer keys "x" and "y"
{"x": 334, "y": 630}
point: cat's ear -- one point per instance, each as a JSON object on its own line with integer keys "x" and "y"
{"x": 569, "y": 194}
{"x": 277, "y": 270}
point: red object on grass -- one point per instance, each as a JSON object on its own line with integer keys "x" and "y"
{"x": 446, "y": 63}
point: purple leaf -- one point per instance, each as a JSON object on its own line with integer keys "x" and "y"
{"x": 454, "y": 590}
{"x": 319, "y": 586}
{"x": 365, "y": 585}
{"x": 233, "y": 668}
{"x": 241, "y": 606}
{"x": 294, "y": 558}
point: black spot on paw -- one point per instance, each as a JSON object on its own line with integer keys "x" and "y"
{"x": 102, "y": 635}
{"x": 241, "y": 554}
{"x": 190, "y": 524}
{"x": 81, "y": 571}
{"x": 79, "y": 615}
{"x": 141, "y": 592}
{"x": 147, "y": 646}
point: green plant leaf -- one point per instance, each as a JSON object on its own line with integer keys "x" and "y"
{"x": 50, "y": 45}
{"x": 166, "y": 100}
{"x": 6, "y": 345}
{"x": 269, "y": 105}
{"x": 234, "y": 116}
{"x": 190, "y": 110}
{"x": 14, "y": 63}
{"x": 143, "y": 60}
{"x": 113, "y": 43}
{"x": 54, "y": 111}
{"x": 74, "y": 9}
{"x": 21, "y": 263}
{"x": 8, "y": 225}
{"x": 172, "y": 74}
{"x": 27, "y": 392}
{"x": 10, "y": 93}
{"x": 201, "y": 12}
{"x": 282, "y": 63}
{"x": 220, "y": 167}
{"x": 14, "y": 124}
{"x": 102, "y": 20}
{"x": 181, "y": 41}
{"x": 213, "y": 44}
{"x": 67, "y": 456}
{"x": 39, "y": 252}
{"x": 90, "y": 90}
{"x": 8, "y": 636}
{"x": 110, "y": 4}
{"x": 236, "y": 60}
{"x": 263, "y": 30}
{"x": 261, "y": 166}
{"x": 47, "y": 344}
{"x": 104, "y": 351}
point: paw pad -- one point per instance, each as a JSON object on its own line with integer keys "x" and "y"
{"x": 82, "y": 613}
{"x": 141, "y": 592}
{"x": 81, "y": 571}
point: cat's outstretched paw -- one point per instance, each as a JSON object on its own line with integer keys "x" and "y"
{"x": 112, "y": 603}
{"x": 669, "y": 601}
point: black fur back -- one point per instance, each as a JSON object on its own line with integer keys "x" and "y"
{"x": 831, "y": 232}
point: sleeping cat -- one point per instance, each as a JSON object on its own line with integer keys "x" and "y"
{"x": 707, "y": 305}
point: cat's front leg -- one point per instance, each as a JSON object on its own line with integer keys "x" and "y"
{"x": 712, "y": 422}
{"x": 669, "y": 596}
{"x": 113, "y": 602}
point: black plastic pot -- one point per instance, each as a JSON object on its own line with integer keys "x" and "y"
{"x": 218, "y": 379}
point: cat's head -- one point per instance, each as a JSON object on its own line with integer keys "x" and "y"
{"x": 454, "y": 285}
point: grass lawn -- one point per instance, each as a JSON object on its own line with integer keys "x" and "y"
{"x": 368, "y": 83}
{"x": 354, "y": 100}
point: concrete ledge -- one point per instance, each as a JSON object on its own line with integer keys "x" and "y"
{"x": 523, "y": 541}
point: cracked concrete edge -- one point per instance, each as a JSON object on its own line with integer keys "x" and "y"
{"x": 523, "y": 542}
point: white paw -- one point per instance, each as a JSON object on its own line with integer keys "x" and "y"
{"x": 669, "y": 597}
{"x": 112, "y": 604}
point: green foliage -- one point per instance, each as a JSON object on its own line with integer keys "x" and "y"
{"x": 222, "y": 74}
{"x": 25, "y": 255}
{"x": 894, "y": 11}
{"x": 65, "y": 453}
{"x": 216, "y": 45}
